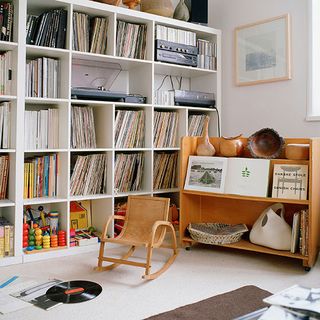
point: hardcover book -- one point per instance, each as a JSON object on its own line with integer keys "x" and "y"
{"x": 290, "y": 181}
{"x": 243, "y": 176}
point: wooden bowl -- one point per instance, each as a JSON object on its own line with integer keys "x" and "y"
{"x": 265, "y": 143}
{"x": 296, "y": 151}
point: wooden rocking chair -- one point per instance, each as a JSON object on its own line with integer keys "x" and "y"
{"x": 145, "y": 224}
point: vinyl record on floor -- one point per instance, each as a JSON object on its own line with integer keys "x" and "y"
{"x": 74, "y": 291}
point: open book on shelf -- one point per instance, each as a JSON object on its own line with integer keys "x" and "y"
{"x": 243, "y": 176}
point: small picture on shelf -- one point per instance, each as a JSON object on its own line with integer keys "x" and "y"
{"x": 206, "y": 174}
{"x": 290, "y": 181}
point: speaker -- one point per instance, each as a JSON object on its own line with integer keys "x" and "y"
{"x": 198, "y": 11}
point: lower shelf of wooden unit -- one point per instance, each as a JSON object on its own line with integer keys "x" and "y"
{"x": 246, "y": 245}
{"x": 35, "y": 251}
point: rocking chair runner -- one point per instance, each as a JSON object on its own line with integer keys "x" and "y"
{"x": 145, "y": 224}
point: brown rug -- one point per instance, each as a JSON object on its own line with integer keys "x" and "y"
{"x": 222, "y": 307}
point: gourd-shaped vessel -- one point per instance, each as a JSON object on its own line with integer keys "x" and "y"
{"x": 205, "y": 148}
{"x": 231, "y": 146}
{"x": 160, "y": 7}
{"x": 181, "y": 12}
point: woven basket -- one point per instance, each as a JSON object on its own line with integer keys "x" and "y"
{"x": 216, "y": 233}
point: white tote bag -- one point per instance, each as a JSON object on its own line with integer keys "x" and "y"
{"x": 271, "y": 230}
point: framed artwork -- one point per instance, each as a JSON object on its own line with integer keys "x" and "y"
{"x": 262, "y": 51}
{"x": 206, "y": 174}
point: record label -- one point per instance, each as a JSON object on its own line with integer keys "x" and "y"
{"x": 74, "y": 291}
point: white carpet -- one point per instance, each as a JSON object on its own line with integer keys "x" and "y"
{"x": 203, "y": 272}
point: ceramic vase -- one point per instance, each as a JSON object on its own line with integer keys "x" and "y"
{"x": 205, "y": 148}
{"x": 160, "y": 7}
{"x": 181, "y": 12}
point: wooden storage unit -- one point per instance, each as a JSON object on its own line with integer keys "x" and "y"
{"x": 198, "y": 206}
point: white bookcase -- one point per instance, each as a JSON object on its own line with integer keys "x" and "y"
{"x": 137, "y": 76}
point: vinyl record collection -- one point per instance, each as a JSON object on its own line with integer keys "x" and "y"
{"x": 41, "y": 176}
{"x": 176, "y": 35}
{"x": 4, "y": 176}
{"x": 5, "y": 73}
{"x": 89, "y": 175}
{"x": 41, "y": 129}
{"x": 48, "y": 30}
{"x": 89, "y": 34}
{"x": 131, "y": 40}
{"x": 165, "y": 170}
{"x": 128, "y": 171}
{"x": 42, "y": 76}
{"x": 5, "y": 124}
{"x": 83, "y": 134}
{"x": 6, "y": 20}
{"x": 207, "y": 56}
{"x": 195, "y": 125}
{"x": 165, "y": 129}
{"x": 129, "y": 129}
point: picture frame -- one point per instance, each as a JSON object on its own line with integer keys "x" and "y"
{"x": 263, "y": 51}
{"x": 206, "y": 174}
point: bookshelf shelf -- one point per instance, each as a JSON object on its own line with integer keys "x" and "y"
{"x": 246, "y": 198}
{"x": 43, "y": 200}
{"x": 5, "y": 45}
{"x": 33, "y": 50}
{"x": 7, "y": 150}
{"x": 7, "y": 98}
{"x": 6, "y": 203}
{"x": 136, "y": 76}
{"x": 180, "y": 71}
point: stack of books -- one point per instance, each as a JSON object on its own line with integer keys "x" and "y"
{"x": 6, "y": 238}
{"x": 41, "y": 176}
{"x": 89, "y": 175}
{"x": 165, "y": 170}
{"x": 131, "y": 40}
{"x": 128, "y": 172}
{"x": 42, "y": 76}
{"x": 83, "y": 134}
{"x": 129, "y": 129}
{"x": 176, "y": 35}
{"x": 6, "y": 20}
{"x": 89, "y": 35}
{"x": 5, "y": 72}
{"x": 4, "y": 176}
{"x": 195, "y": 125}
{"x": 5, "y": 125}
{"x": 48, "y": 30}
{"x": 41, "y": 129}
{"x": 207, "y": 56}
{"x": 165, "y": 129}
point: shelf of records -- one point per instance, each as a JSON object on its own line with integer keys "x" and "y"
{"x": 6, "y": 72}
{"x": 6, "y": 21}
{"x": 107, "y": 33}
{"x": 43, "y": 77}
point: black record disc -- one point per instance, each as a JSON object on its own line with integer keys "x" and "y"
{"x": 74, "y": 291}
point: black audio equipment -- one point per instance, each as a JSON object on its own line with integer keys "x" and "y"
{"x": 104, "y": 95}
{"x": 199, "y": 11}
{"x": 176, "y": 47}
{"x": 177, "y": 58}
{"x": 194, "y": 98}
{"x": 177, "y": 53}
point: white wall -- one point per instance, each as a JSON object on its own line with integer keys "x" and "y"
{"x": 279, "y": 105}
